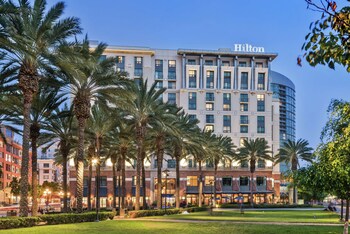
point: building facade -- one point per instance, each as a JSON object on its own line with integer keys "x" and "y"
{"x": 10, "y": 162}
{"x": 229, "y": 93}
{"x": 49, "y": 171}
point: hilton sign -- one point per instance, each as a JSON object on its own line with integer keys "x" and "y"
{"x": 248, "y": 48}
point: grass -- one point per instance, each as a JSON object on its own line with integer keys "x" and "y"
{"x": 144, "y": 226}
{"x": 298, "y": 216}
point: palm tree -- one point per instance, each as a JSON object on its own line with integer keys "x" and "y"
{"x": 90, "y": 79}
{"x": 29, "y": 38}
{"x": 43, "y": 105}
{"x": 60, "y": 130}
{"x": 145, "y": 107}
{"x": 253, "y": 150}
{"x": 291, "y": 153}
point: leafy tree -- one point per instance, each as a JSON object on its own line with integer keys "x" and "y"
{"x": 15, "y": 186}
{"x": 291, "y": 153}
{"x": 253, "y": 150}
{"x": 328, "y": 41}
{"x": 29, "y": 38}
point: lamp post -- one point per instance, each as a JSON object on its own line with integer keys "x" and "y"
{"x": 96, "y": 162}
{"x": 212, "y": 196}
{"x": 166, "y": 171}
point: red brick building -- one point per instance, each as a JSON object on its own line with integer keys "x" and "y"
{"x": 10, "y": 161}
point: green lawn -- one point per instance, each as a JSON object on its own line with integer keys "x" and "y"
{"x": 309, "y": 216}
{"x": 144, "y": 226}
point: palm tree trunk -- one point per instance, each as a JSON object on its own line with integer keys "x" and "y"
{"x": 294, "y": 194}
{"x": 65, "y": 179}
{"x": 34, "y": 134}
{"x": 200, "y": 192}
{"x": 177, "y": 191}
{"x": 214, "y": 184}
{"x": 144, "y": 203}
{"x": 98, "y": 170}
{"x": 160, "y": 153}
{"x": 139, "y": 140}
{"x": 251, "y": 190}
{"x": 23, "y": 209}
{"x": 119, "y": 190}
{"x": 123, "y": 184}
{"x": 89, "y": 186}
{"x": 115, "y": 187}
{"x": 342, "y": 210}
{"x": 347, "y": 210}
{"x": 80, "y": 164}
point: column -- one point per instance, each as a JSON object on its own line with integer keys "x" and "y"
{"x": 183, "y": 79}
{"x": 252, "y": 80}
{"x": 201, "y": 68}
{"x": 218, "y": 77}
{"x": 235, "y": 75}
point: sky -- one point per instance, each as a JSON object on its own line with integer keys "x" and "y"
{"x": 279, "y": 26}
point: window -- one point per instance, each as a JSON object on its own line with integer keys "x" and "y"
{"x": 243, "y": 181}
{"x": 158, "y": 75}
{"x": 260, "y": 65}
{"x": 138, "y": 60}
{"x": 261, "y": 163}
{"x": 103, "y": 181}
{"x": 227, "y": 123}
{"x": 133, "y": 181}
{"x": 172, "y": 98}
{"x": 209, "y": 128}
{"x": 244, "y": 128}
{"x": 244, "y": 97}
{"x": 209, "y": 97}
{"x": 192, "y": 117}
{"x": 171, "y": 163}
{"x": 191, "y": 62}
{"x": 192, "y": 181}
{"x": 226, "y": 63}
{"x": 242, "y": 64}
{"x": 46, "y": 165}
{"x": 159, "y": 84}
{"x": 227, "y": 80}
{"x": 209, "y": 118}
{"x": 46, "y": 177}
{"x": 192, "y": 101}
{"x": 241, "y": 141}
{"x": 138, "y": 71}
{"x": 260, "y": 180}
{"x": 192, "y": 163}
{"x": 244, "y": 119}
{"x": 210, "y": 80}
{"x": 192, "y": 79}
{"x": 171, "y": 85}
{"x": 244, "y": 80}
{"x": 46, "y": 171}
{"x": 244, "y": 106}
{"x": 226, "y": 181}
{"x": 261, "y": 81}
{"x": 208, "y": 62}
{"x": 172, "y": 75}
{"x": 209, "y": 180}
{"x": 172, "y": 63}
{"x": 120, "y": 62}
{"x": 260, "y": 102}
{"x": 226, "y": 101}
{"x": 85, "y": 181}
{"x": 209, "y": 106}
{"x": 261, "y": 124}
{"x": 159, "y": 63}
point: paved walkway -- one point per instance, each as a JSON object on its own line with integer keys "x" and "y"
{"x": 234, "y": 222}
{"x": 265, "y": 209}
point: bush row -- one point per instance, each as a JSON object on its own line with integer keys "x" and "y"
{"x": 227, "y": 205}
{"x": 144, "y": 213}
{"x": 16, "y": 222}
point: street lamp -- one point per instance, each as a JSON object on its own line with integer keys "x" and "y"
{"x": 166, "y": 173}
{"x": 96, "y": 162}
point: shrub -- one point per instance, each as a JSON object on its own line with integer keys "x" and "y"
{"x": 17, "y": 222}
{"x": 230, "y": 205}
{"x": 144, "y": 213}
{"x": 75, "y": 218}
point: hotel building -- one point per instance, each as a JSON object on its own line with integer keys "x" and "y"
{"x": 229, "y": 92}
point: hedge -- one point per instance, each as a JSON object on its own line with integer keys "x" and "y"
{"x": 144, "y": 213}
{"x": 75, "y": 218}
{"x": 230, "y": 205}
{"x": 18, "y": 222}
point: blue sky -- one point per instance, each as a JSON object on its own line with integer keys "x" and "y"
{"x": 279, "y": 26}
